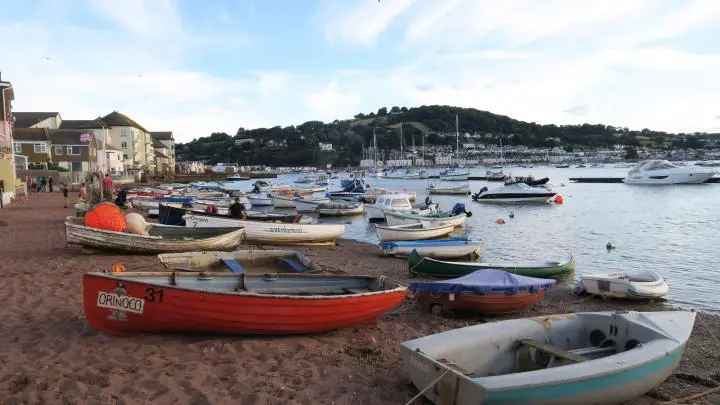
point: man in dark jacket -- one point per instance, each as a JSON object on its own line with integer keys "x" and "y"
{"x": 237, "y": 209}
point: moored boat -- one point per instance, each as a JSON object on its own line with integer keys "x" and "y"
{"x": 232, "y": 303}
{"x": 638, "y": 285}
{"x": 600, "y": 358}
{"x": 412, "y": 232}
{"x": 428, "y": 267}
{"x": 159, "y": 238}
{"x": 272, "y": 232}
{"x": 487, "y": 291}
{"x": 460, "y": 190}
{"x": 438, "y": 248}
{"x": 308, "y": 205}
{"x": 171, "y": 214}
{"x": 340, "y": 209}
{"x": 240, "y": 261}
{"x": 515, "y": 193}
{"x": 456, "y": 217}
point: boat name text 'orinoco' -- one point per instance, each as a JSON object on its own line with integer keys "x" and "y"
{"x": 285, "y": 230}
{"x": 120, "y": 302}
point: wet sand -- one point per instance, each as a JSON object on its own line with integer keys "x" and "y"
{"x": 51, "y": 355}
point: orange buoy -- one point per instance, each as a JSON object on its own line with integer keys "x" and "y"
{"x": 117, "y": 268}
{"x": 500, "y": 221}
{"x": 559, "y": 199}
{"x": 106, "y": 216}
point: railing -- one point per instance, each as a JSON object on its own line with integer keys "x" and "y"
{"x": 6, "y": 146}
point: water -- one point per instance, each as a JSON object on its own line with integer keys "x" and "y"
{"x": 673, "y": 230}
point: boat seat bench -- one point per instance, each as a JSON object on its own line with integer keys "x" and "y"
{"x": 294, "y": 264}
{"x": 552, "y": 350}
{"x": 233, "y": 265}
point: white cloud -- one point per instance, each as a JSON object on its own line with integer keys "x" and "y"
{"x": 364, "y": 22}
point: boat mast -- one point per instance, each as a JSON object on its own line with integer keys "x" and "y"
{"x": 401, "y": 142}
{"x": 457, "y": 137}
{"x": 374, "y": 150}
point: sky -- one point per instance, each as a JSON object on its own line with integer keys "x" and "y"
{"x": 197, "y": 67}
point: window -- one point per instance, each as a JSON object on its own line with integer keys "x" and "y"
{"x": 73, "y": 150}
{"x": 125, "y": 157}
{"x": 124, "y": 132}
{"x": 39, "y": 148}
{"x": 17, "y": 147}
{"x": 123, "y": 145}
{"x": 58, "y": 150}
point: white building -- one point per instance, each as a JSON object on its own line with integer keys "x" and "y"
{"x": 325, "y": 146}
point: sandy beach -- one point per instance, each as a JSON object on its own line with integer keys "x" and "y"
{"x": 51, "y": 355}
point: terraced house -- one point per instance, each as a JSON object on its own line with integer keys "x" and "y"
{"x": 7, "y": 164}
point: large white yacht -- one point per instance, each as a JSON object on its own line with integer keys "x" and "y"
{"x": 514, "y": 193}
{"x": 664, "y": 172}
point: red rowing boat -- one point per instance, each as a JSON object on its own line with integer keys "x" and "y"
{"x": 230, "y": 303}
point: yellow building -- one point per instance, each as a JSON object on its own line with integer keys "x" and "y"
{"x": 7, "y": 161}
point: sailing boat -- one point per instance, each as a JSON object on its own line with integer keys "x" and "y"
{"x": 406, "y": 174}
{"x": 496, "y": 172}
{"x": 376, "y": 171}
{"x": 455, "y": 172}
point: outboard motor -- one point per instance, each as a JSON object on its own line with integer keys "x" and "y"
{"x": 459, "y": 208}
{"x": 121, "y": 198}
{"x": 476, "y": 196}
{"x": 428, "y": 201}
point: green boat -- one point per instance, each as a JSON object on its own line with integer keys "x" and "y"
{"x": 427, "y": 267}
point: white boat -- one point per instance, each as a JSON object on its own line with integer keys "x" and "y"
{"x": 664, "y": 172}
{"x": 439, "y": 218}
{"x": 455, "y": 174}
{"x": 495, "y": 174}
{"x": 412, "y": 232}
{"x": 514, "y": 193}
{"x": 394, "y": 203}
{"x": 406, "y": 174}
{"x": 272, "y": 232}
{"x": 459, "y": 190}
{"x": 237, "y": 177}
{"x": 308, "y": 205}
{"x": 599, "y": 358}
{"x": 311, "y": 188}
{"x": 251, "y": 261}
{"x": 336, "y": 209}
{"x": 638, "y": 285}
{"x": 260, "y": 200}
{"x": 283, "y": 201}
{"x": 439, "y": 249}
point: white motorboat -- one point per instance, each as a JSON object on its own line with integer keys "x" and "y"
{"x": 638, "y": 285}
{"x": 455, "y": 174}
{"x": 515, "y": 193}
{"x": 412, "y": 232}
{"x": 260, "y": 200}
{"x": 664, "y": 172}
{"x": 236, "y": 177}
{"x": 395, "y": 203}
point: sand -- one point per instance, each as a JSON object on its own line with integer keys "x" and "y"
{"x": 50, "y": 355}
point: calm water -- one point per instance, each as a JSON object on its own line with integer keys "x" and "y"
{"x": 674, "y": 230}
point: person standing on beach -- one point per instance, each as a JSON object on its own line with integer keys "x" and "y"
{"x": 43, "y": 184}
{"x": 83, "y": 193}
{"x": 107, "y": 187}
{"x": 50, "y": 184}
{"x": 65, "y": 194}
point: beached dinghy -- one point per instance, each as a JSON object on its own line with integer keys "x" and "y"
{"x": 159, "y": 238}
{"x": 427, "y": 267}
{"x": 231, "y": 303}
{"x": 438, "y": 248}
{"x": 460, "y": 190}
{"x": 241, "y": 261}
{"x": 484, "y": 291}
{"x": 339, "y": 209}
{"x": 276, "y": 233}
{"x": 412, "y": 232}
{"x": 599, "y": 358}
{"x": 309, "y": 204}
{"x": 456, "y": 217}
{"x": 638, "y": 285}
{"x": 171, "y": 214}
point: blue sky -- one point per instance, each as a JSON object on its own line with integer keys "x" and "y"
{"x": 197, "y": 67}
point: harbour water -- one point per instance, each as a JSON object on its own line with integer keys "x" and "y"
{"x": 674, "y": 230}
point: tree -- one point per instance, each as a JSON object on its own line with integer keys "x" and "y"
{"x": 382, "y": 112}
{"x": 395, "y": 110}
{"x": 631, "y": 153}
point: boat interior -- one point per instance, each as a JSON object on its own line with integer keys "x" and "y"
{"x": 533, "y": 344}
{"x": 266, "y": 284}
{"x": 241, "y": 261}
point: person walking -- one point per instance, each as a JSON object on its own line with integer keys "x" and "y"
{"x": 65, "y": 194}
{"x": 107, "y": 184}
{"x": 43, "y": 184}
{"x": 50, "y": 184}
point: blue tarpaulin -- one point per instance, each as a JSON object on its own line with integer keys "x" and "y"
{"x": 483, "y": 282}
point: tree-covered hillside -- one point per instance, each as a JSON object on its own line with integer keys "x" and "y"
{"x": 299, "y": 145}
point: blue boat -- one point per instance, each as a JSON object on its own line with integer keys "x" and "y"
{"x": 438, "y": 248}
{"x": 599, "y": 358}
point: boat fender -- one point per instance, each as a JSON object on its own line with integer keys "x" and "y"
{"x": 559, "y": 199}
{"x": 500, "y": 221}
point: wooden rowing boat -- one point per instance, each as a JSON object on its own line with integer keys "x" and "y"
{"x": 272, "y": 232}
{"x": 460, "y": 190}
{"x": 171, "y": 214}
{"x": 412, "y": 232}
{"x": 338, "y": 209}
{"x": 428, "y": 267}
{"x": 159, "y": 238}
{"x": 231, "y": 303}
{"x": 241, "y": 261}
{"x": 438, "y": 218}
{"x": 599, "y": 358}
{"x": 437, "y": 248}
{"x": 484, "y": 291}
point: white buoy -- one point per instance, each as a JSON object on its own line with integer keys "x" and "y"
{"x": 136, "y": 223}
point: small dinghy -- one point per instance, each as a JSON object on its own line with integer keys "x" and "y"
{"x": 427, "y": 267}
{"x": 438, "y": 248}
{"x": 599, "y": 358}
{"x": 638, "y": 285}
{"x": 460, "y": 190}
{"x": 131, "y": 303}
{"x": 412, "y": 231}
{"x": 339, "y": 209}
{"x": 484, "y": 291}
{"x": 240, "y": 261}
{"x": 457, "y": 217}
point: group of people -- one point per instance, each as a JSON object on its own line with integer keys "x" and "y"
{"x": 237, "y": 209}
{"x": 39, "y": 184}
{"x": 42, "y": 184}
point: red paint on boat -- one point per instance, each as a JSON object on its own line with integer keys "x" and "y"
{"x": 481, "y": 304}
{"x": 164, "y": 309}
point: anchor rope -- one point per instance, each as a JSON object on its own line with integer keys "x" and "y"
{"x": 435, "y": 381}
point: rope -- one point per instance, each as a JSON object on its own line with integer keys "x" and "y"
{"x": 422, "y": 259}
{"x": 435, "y": 381}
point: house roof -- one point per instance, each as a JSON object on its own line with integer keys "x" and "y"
{"x": 28, "y": 119}
{"x": 67, "y": 137}
{"x": 158, "y": 144}
{"x": 83, "y": 124}
{"x": 116, "y": 119}
{"x": 162, "y": 135}
{"x": 30, "y": 134}
{"x": 158, "y": 154}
